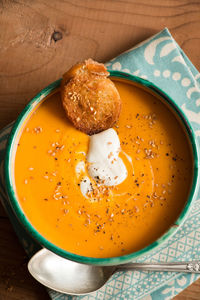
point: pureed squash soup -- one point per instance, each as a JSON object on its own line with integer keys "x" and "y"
{"x": 51, "y": 177}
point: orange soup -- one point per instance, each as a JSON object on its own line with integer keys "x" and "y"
{"x": 111, "y": 220}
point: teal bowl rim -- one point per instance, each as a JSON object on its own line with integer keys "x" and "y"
{"x": 78, "y": 258}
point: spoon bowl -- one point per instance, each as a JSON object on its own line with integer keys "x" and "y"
{"x": 66, "y": 276}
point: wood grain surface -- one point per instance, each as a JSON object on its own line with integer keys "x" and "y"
{"x": 41, "y": 39}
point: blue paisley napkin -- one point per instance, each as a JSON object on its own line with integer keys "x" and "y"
{"x": 161, "y": 61}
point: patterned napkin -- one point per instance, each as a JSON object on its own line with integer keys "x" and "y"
{"x": 161, "y": 61}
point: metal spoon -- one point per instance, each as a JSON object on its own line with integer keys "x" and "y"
{"x": 73, "y": 278}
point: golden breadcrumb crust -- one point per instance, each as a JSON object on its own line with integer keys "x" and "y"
{"x": 90, "y": 99}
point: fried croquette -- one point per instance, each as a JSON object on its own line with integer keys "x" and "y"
{"x": 90, "y": 99}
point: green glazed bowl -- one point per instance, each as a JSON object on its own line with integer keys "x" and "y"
{"x": 9, "y": 175}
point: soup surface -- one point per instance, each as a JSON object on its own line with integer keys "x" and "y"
{"x": 111, "y": 220}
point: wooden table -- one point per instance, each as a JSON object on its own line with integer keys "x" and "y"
{"x": 39, "y": 40}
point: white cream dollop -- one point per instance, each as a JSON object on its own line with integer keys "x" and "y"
{"x": 105, "y": 165}
{"x": 85, "y": 186}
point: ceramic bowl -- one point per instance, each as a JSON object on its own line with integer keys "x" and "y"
{"x": 9, "y": 174}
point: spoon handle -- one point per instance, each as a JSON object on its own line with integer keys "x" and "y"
{"x": 186, "y": 267}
